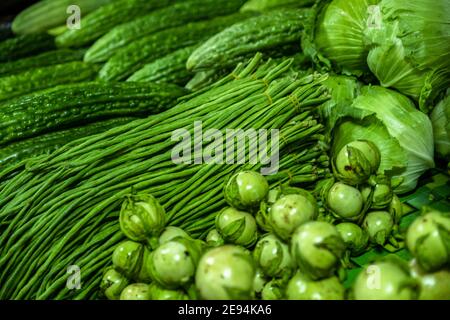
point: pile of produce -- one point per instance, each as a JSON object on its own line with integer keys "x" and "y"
{"x": 224, "y": 149}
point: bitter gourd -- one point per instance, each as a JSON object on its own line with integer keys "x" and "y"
{"x": 271, "y": 31}
{"x": 170, "y": 68}
{"x": 267, "y": 5}
{"x": 103, "y": 19}
{"x": 41, "y": 60}
{"x": 25, "y": 45}
{"x": 68, "y": 105}
{"x": 47, "y": 14}
{"x": 171, "y": 16}
{"x": 46, "y": 77}
{"x": 134, "y": 56}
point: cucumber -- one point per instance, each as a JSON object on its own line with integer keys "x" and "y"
{"x": 49, "y": 142}
{"x": 25, "y": 45}
{"x": 268, "y": 32}
{"x": 267, "y": 5}
{"x": 69, "y": 105}
{"x": 170, "y": 68}
{"x": 134, "y": 56}
{"x": 100, "y": 21}
{"x": 172, "y": 16}
{"x": 41, "y": 60}
{"x": 47, "y": 14}
{"x": 46, "y": 77}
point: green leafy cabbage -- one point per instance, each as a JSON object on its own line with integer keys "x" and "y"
{"x": 403, "y": 134}
{"x": 335, "y": 35}
{"x": 440, "y": 117}
{"x": 410, "y": 43}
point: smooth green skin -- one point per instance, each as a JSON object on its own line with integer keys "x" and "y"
{"x": 141, "y": 217}
{"x": 246, "y": 236}
{"x": 272, "y": 256}
{"x": 225, "y": 272}
{"x": 433, "y": 286}
{"x": 136, "y": 291}
{"x": 431, "y": 254}
{"x": 289, "y": 212}
{"x": 345, "y": 201}
{"x": 259, "y": 281}
{"x": 273, "y": 290}
{"x": 170, "y": 233}
{"x": 356, "y": 168}
{"x": 126, "y": 257}
{"x": 214, "y": 239}
{"x": 396, "y": 208}
{"x": 245, "y": 190}
{"x": 382, "y": 196}
{"x": 378, "y": 225}
{"x": 316, "y": 261}
{"x": 113, "y": 283}
{"x": 301, "y": 288}
{"x": 172, "y": 265}
{"x": 160, "y": 293}
{"x": 383, "y": 281}
{"x": 354, "y": 237}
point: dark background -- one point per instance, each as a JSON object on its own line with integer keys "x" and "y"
{"x": 8, "y": 10}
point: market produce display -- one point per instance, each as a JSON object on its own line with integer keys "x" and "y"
{"x": 225, "y": 149}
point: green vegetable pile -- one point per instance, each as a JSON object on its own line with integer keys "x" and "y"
{"x": 122, "y": 130}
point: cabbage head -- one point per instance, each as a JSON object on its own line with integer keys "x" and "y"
{"x": 403, "y": 134}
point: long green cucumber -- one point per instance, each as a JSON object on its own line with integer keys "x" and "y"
{"x": 47, "y": 143}
{"x": 100, "y": 21}
{"x": 41, "y": 60}
{"x": 47, "y": 14}
{"x": 271, "y": 31}
{"x": 68, "y": 105}
{"x": 267, "y": 5}
{"x": 171, "y": 16}
{"x": 46, "y": 77}
{"x": 170, "y": 68}
{"x": 134, "y": 56}
{"x": 25, "y": 45}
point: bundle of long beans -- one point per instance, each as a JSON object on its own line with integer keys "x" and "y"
{"x": 61, "y": 209}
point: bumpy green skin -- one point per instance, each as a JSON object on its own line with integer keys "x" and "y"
{"x": 100, "y": 21}
{"x": 67, "y": 105}
{"x": 262, "y": 33}
{"x": 302, "y": 288}
{"x": 169, "y": 17}
{"x": 134, "y": 56}
{"x": 268, "y": 5}
{"x": 41, "y": 60}
{"x": 46, "y": 77}
{"x": 170, "y": 69}
{"x": 47, "y": 14}
{"x": 47, "y": 143}
{"x": 24, "y": 46}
